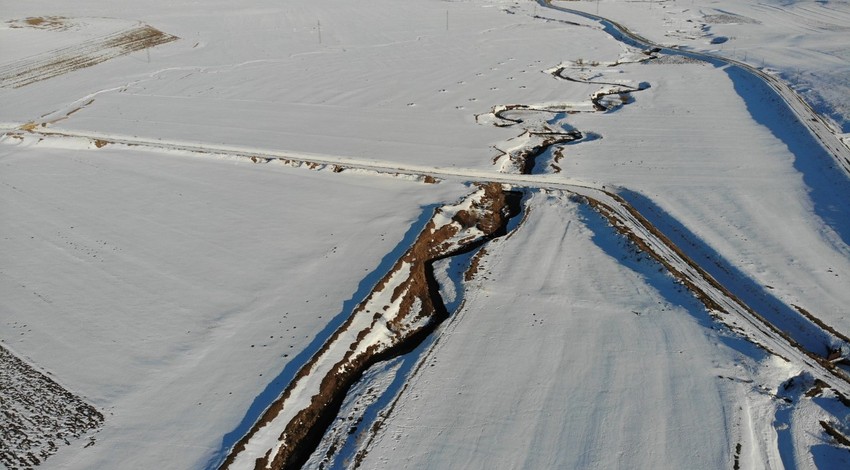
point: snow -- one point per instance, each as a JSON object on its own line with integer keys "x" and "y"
{"x": 152, "y": 284}
{"x": 537, "y": 375}
{"x": 186, "y": 224}
{"x": 804, "y": 41}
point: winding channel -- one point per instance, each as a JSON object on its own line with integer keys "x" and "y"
{"x": 305, "y": 430}
{"x": 806, "y": 115}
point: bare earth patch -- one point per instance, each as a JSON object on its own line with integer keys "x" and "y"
{"x": 78, "y": 56}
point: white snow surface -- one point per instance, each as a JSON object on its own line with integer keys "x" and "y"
{"x": 804, "y": 41}
{"x": 177, "y": 287}
{"x": 581, "y": 363}
{"x": 170, "y": 291}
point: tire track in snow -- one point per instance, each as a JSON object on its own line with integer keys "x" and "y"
{"x": 22, "y": 134}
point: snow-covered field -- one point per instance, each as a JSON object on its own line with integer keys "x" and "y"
{"x": 196, "y": 199}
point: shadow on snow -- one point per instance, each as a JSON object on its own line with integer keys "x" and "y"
{"x": 656, "y": 276}
{"x": 279, "y": 383}
{"x": 828, "y": 186}
{"x": 751, "y": 293}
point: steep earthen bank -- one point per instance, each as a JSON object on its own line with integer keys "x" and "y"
{"x": 400, "y": 312}
{"x": 703, "y": 286}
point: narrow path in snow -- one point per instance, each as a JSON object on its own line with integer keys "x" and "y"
{"x": 593, "y": 190}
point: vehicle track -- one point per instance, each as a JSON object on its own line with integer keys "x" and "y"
{"x": 59, "y": 137}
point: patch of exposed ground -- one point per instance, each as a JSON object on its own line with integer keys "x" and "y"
{"x": 78, "y": 56}
{"x": 835, "y": 433}
{"x": 37, "y": 415}
{"x": 52, "y": 23}
{"x": 727, "y": 18}
{"x": 402, "y": 310}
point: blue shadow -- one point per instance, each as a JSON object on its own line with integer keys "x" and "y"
{"x": 279, "y": 383}
{"x": 408, "y": 364}
{"x": 784, "y": 439}
{"x": 828, "y": 186}
{"x": 745, "y": 288}
{"x": 656, "y": 276}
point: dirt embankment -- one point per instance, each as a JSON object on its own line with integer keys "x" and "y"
{"x": 695, "y": 276}
{"x": 416, "y": 310}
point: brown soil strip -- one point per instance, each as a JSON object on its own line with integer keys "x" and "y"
{"x": 53, "y": 23}
{"x": 817, "y": 321}
{"x": 474, "y": 265}
{"x": 85, "y": 54}
{"x": 840, "y": 438}
{"x": 304, "y": 432}
{"x": 703, "y": 296}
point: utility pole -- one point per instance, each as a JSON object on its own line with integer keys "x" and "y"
{"x": 447, "y": 20}
{"x": 319, "y": 28}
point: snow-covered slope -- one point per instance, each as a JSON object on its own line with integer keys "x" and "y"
{"x": 582, "y": 356}
{"x": 196, "y": 199}
{"x": 805, "y": 42}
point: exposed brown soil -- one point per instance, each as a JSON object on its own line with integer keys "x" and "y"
{"x": 85, "y": 54}
{"x": 472, "y": 270}
{"x": 817, "y": 321}
{"x": 835, "y": 434}
{"x": 55, "y": 23}
{"x": 421, "y": 290}
{"x": 817, "y": 388}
